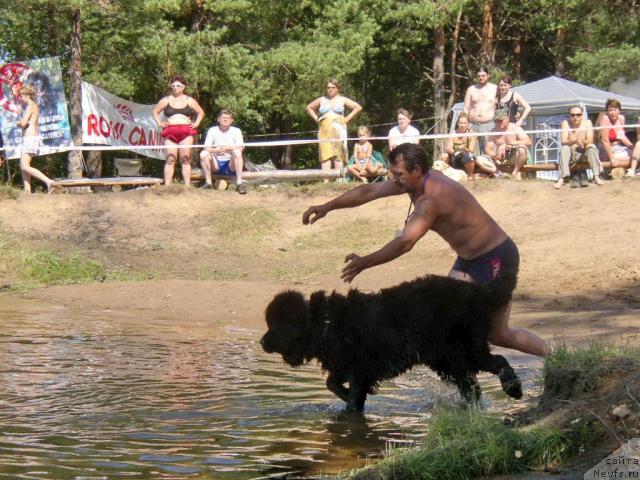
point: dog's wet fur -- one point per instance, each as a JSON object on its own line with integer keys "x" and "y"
{"x": 364, "y": 338}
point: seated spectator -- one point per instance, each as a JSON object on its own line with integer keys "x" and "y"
{"x": 363, "y": 165}
{"x": 508, "y": 144}
{"x": 403, "y": 132}
{"x": 577, "y": 146}
{"x": 519, "y": 114}
{"x": 223, "y": 153}
{"x": 614, "y": 146}
{"x": 459, "y": 151}
{"x": 635, "y": 155}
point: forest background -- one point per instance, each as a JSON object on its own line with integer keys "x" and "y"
{"x": 265, "y": 59}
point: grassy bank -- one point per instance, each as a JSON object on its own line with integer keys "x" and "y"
{"x": 29, "y": 269}
{"x": 467, "y": 443}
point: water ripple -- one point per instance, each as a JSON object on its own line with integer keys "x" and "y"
{"x": 114, "y": 395}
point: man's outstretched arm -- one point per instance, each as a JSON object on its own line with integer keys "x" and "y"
{"x": 353, "y": 198}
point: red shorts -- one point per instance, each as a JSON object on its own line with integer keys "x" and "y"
{"x": 177, "y": 133}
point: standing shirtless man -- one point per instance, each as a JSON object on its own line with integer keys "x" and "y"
{"x": 446, "y": 207}
{"x": 480, "y": 105}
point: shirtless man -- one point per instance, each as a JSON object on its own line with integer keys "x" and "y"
{"x": 444, "y": 206}
{"x": 576, "y": 138}
{"x": 510, "y": 146}
{"x": 480, "y": 105}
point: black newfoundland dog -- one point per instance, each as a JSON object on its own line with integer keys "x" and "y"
{"x": 364, "y": 338}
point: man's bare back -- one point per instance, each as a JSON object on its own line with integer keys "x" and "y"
{"x": 461, "y": 220}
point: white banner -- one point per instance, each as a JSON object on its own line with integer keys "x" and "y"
{"x": 111, "y": 120}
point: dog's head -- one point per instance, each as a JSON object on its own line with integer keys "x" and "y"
{"x": 289, "y": 328}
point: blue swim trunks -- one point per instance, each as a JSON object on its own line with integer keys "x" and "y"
{"x": 503, "y": 259}
{"x": 224, "y": 168}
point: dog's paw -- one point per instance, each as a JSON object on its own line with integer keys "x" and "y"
{"x": 510, "y": 383}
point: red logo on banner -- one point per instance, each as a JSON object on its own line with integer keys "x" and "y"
{"x": 125, "y": 111}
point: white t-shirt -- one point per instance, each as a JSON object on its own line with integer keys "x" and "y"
{"x": 410, "y": 135}
{"x": 218, "y": 138}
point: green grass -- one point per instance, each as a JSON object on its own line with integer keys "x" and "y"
{"x": 578, "y": 369}
{"x": 468, "y": 444}
{"x": 244, "y": 224}
{"x": 359, "y": 235}
{"x": 462, "y": 444}
{"x": 9, "y": 191}
{"x": 46, "y": 268}
{"x": 25, "y": 269}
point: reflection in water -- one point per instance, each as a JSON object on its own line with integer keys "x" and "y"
{"x": 127, "y": 394}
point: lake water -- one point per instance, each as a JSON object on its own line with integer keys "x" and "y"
{"x": 118, "y": 394}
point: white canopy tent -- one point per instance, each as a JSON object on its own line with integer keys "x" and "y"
{"x": 550, "y": 99}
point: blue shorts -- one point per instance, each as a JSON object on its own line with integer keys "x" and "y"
{"x": 224, "y": 168}
{"x": 503, "y": 259}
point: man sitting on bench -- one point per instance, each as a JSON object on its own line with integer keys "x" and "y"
{"x": 508, "y": 144}
{"x": 223, "y": 152}
{"x": 577, "y": 146}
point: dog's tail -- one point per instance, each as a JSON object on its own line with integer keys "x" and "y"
{"x": 501, "y": 289}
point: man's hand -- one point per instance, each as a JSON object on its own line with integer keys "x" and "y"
{"x": 314, "y": 214}
{"x": 355, "y": 265}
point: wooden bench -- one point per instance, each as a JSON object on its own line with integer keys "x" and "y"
{"x": 274, "y": 176}
{"x": 115, "y": 183}
{"x": 550, "y": 167}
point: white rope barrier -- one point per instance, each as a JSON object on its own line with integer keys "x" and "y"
{"x": 281, "y": 143}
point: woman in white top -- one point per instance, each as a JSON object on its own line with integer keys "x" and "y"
{"x": 329, "y": 112}
{"x": 30, "y": 140}
{"x": 403, "y": 132}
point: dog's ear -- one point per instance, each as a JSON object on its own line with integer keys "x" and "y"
{"x": 288, "y": 306}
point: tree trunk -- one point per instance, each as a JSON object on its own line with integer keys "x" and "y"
{"x": 286, "y": 157}
{"x": 75, "y": 160}
{"x": 561, "y": 36}
{"x": 169, "y": 64}
{"x": 198, "y": 16}
{"x": 517, "y": 56}
{"x": 488, "y": 34}
{"x": 439, "y": 105}
{"x": 454, "y": 61}
{"x": 94, "y": 164}
{"x": 52, "y": 35}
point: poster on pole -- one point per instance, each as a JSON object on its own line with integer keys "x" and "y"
{"x": 45, "y": 76}
{"x": 111, "y": 120}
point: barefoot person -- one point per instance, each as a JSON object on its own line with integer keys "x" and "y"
{"x": 614, "y": 145}
{"x": 444, "y": 206}
{"x": 30, "y": 140}
{"x": 510, "y": 145}
{"x": 459, "y": 151}
{"x": 182, "y": 116}
{"x": 480, "y": 105}
{"x": 329, "y": 112}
